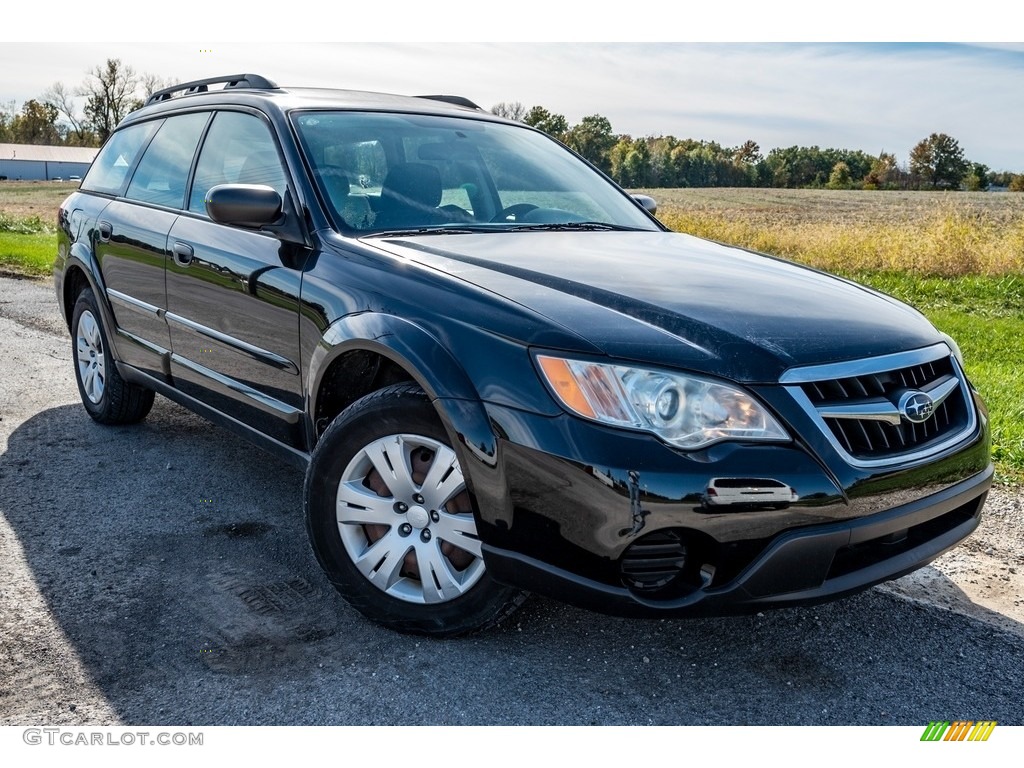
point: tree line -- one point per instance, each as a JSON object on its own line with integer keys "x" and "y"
{"x": 108, "y": 93}
{"x": 935, "y": 162}
{"x": 86, "y": 114}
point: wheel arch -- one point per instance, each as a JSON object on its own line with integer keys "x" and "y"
{"x": 82, "y": 271}
{"x": 381, "y": 349}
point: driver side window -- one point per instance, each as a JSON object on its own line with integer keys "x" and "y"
{"x": 239, "y": 149}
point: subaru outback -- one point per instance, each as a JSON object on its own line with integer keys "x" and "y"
{"x": 500, "y": 373}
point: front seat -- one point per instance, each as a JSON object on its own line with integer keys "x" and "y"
{"x": 409, "y": 197}
{"x": 263, "y": 168}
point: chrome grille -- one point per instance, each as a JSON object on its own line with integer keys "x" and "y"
{"x": 861, "y": 404}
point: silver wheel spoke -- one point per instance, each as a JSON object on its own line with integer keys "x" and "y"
{"x": 357, "y": 504}
{"x": 437, "y": 487}
{"x": 99, "y": 381}
{"x": 94, "y": 336}
{"x": 436, "y": 570}
{"x": 389, "y": 459}
{"x": 459, "y": 530}
{"x": 381, "y": 563}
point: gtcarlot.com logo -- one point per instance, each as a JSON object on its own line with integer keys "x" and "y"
{"x": 959, "y": 730}
{"x": 109, "y": 738}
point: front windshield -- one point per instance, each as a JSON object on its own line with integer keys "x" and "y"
{"x": 388, "y": 172}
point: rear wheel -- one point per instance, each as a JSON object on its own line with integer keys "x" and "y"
{"x": 107, "y": 397}
{"x": 391, "y": 520}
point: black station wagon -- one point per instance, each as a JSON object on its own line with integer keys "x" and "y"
{"x": 500, "y": 373}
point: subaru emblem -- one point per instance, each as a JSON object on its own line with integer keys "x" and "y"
{"x": 916, "y": 406}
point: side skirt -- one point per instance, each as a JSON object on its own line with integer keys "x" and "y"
{"x": 295, "y": 457}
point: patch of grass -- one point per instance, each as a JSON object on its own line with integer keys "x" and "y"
{"x": 977, "y": 295}
{"x": 28, "y": 254}
{"x": 994, "y": 357}
{"x": 24, "y": 225}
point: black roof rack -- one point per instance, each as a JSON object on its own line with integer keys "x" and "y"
{"x": 200, "y": 86}
{"x": 459, "y": 101}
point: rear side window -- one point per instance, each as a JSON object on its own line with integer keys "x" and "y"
{"x": 109, "y": 171}
{"x": 162, "y": 174}
{"x": 239, "y": 149}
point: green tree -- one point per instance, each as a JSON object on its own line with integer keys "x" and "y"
{"x": 661, "y": 170}
{"x": 937, "y": 162}
{"x": 36, "y": 124}
{"x": 748, "y": 153}
{"x": 552, "y": 124}
{"x": 883, "y": 172}
{"x": 796, "y": 167}
{"x": 617, "y": 161}
{"x": 7, "y": 114}
{"x": 840, "y": 177}
{"x": 1017, "y": 182}
{"x": 592, "y": 138}
{"x": 638, "y": 164}
{"x": 977, "y": 178}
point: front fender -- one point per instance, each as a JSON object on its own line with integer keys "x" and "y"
{"x": 426, "y": 360}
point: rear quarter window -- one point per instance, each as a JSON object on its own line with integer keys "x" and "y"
{"x": 162, "y": 174}
{"x": 109, "y": 171}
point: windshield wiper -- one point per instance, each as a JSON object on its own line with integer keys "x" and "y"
{"x": 425, "y": 231}
{"x": 573, "y": 226}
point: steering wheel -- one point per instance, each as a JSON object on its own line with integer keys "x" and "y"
{"x": 514, "y": 212}
{"x": 456, "y": 213}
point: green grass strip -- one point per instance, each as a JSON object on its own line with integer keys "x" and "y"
{"x": 30, "y": 255}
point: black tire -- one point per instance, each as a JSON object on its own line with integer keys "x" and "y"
{"x": 107, "y": 397}
{"x": 400, "y": 420}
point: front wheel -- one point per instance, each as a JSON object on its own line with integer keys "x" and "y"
{"x": 391, "y": 520}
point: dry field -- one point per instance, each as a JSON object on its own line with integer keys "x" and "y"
{"x": 27, "y": 199}
{"x": 946, "y": 234}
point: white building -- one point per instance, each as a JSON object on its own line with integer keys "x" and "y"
{"x": 36, "y": 162}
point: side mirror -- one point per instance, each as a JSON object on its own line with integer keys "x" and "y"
{"x": 649, "y": 204}
{"x": 244, "y": 205}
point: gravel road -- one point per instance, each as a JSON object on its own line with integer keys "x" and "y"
{"x": 160, "y": 575}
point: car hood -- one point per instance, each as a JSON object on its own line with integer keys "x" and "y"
{"x": 673, "y": 299}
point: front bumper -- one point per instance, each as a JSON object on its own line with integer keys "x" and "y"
{"x": 804, "y": 566}
{"x": 567, "y": 504}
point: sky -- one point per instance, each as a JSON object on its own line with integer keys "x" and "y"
{"x": 874, "y": 96}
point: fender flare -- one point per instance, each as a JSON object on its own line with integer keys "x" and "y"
{"x": 80, "y": 256}
{"x": 426, "y": 360}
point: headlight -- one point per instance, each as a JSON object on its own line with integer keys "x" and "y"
{"x": 685, "y": 411}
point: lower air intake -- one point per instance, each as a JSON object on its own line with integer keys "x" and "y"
{"x": 653, "y": 561}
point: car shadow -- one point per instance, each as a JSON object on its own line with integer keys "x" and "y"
{"x": 173, "y": 561}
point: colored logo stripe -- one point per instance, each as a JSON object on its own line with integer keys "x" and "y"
{"x": 960, "y": 730}
{"x": 982, "y": 731}
{"x": 935, "y": 730}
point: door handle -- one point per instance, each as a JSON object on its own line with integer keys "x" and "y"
{"x": 106, "y": 230}
{"x": 183, "y": 254}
